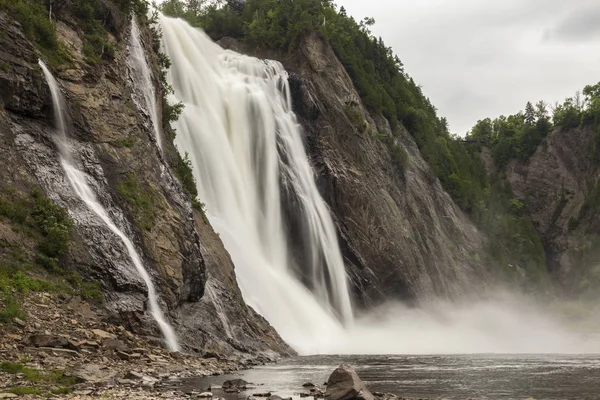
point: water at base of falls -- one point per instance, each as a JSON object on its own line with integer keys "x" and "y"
{"x": 246, "y": 148}
{"x": 79, "y": 182}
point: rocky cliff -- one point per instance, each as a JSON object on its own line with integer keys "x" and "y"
{"x": 558, "y": 186}
{"x": 113, "y": 143}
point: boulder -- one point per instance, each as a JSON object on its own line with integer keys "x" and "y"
{"x": 309, "y": 385}
{"x": 103, "y": 334}
{"x": 344, "y": 384}
{"x": 134, "y": 375}
{"x": 275, "y": 397}
{"x": 92, "y": 373}
{"x": 205, "y": 395}
{"x": 236, "y": 384}
{"x": 42, "y": 340}
{"x": 114, "y": 344}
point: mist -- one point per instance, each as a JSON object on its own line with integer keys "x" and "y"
{"x": 505, "y": 323}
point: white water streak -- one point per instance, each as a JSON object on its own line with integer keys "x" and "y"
{"x": 144, "y": 94}
{"x": 78, "y": 181}
{"x": 244, "y": 141}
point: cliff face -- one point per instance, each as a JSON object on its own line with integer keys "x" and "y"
{"x": 401, "y": 234}
{"x": 558, "y": 187}
{"x": 112, "y": 142}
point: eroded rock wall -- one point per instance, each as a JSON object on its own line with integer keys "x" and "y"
{"x": 554, "y": 185}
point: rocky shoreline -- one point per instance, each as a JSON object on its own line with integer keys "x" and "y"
{"x": 66, "y": 348}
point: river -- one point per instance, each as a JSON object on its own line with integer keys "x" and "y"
{"x": 486, "y": 376}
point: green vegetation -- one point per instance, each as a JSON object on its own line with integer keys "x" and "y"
{"x": 23, "y": 390}
{"x": 356, "y": 118}
{"x": 92, "y": 15}
{"x": 398, "y": 154}
{"x": 38, "y": 217}
{"x": 11, "y": 308}
{"x": 47, "y": 228}
{"x": 171, "y": 112}
{"x": 515, "y": 136}
{"x": 186, "y": 177}
{"x": 40, "y": 378}
{"x": 128, "y": 142}
{"x": 518, "y": 135}
{"x": 33, "y": 17}
{"x": 140, "y": 199}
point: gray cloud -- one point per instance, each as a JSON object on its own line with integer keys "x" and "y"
{"x": 581, "y": 25}
{"x": 478, "y": 59}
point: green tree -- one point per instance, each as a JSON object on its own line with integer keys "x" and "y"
{"x": 529, "y": 114}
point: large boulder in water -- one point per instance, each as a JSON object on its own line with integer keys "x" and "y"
{"x": 344, "y": 384}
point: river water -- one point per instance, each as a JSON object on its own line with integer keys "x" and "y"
{"x": 488, "y": 376}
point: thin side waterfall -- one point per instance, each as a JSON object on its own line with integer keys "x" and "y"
{"x": 79, "y": 181}
{"x": 246, "y": 149}
{"x": 144, "y": 94}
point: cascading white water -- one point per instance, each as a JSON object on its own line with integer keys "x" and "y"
{"x": 144, "y": 94}
{"x": 79, "y": 181}
{"x": 245, "y": 146}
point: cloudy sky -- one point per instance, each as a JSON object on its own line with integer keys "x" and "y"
{"x": 484, "y": 58}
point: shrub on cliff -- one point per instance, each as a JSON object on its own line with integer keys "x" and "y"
{"x": 33, "y": 17}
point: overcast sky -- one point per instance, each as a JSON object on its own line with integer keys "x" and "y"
{"x": 484, "y": 58}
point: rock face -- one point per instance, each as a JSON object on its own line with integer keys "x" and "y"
{"x": 554, "y": 185}
{"x": 401, "y": 234}
{"x": 344, "y": 384}
{"x": 112, "y": 142}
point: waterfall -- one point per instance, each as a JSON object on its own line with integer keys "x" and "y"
{"x": 247, "y": 154}
{"x": 144, "y": 94}
{"x": 79, "y": 181}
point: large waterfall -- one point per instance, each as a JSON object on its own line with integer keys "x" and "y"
{"x": 246, "y": 150}
{"x": 79, "y": 181}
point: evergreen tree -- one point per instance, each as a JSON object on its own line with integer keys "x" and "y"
{"x": 529, "y": 114}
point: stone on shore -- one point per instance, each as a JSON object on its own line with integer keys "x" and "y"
{"x": 344, "y": 384}
{"x": 237, "y": 384}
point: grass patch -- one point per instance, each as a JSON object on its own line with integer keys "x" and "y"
{"x": 186, "y": 177}
{"x": 10, "y": 309}
{"x": 62, "y": 390}
{"x": 91, "y": 291}
{"x": 141, "y": 201}
{"x": 54, "y": 376}
{"x": 356, "y": 117}
{"x": 128, "y": 142}
{"x": 398, "y": 154}
{"x": 24, "y": 390}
